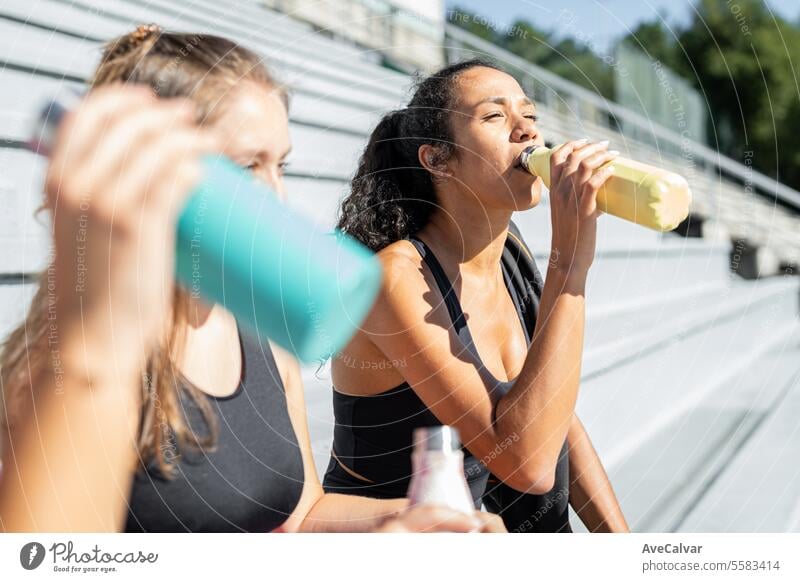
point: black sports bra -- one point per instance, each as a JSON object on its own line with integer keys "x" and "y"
{"x": 373, "y": 434}
{"x": 251, "y": 481}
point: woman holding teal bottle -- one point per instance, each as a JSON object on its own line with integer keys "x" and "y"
{"x": 130, "y": 403}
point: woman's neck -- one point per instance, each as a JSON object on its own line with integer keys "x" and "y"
{"x": 211, "y": 357}
{"x": 210, "y": 324}
{"x": 471, "y": 238}
{"x": 200, "y": 312}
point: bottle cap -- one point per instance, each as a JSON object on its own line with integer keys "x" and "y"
{"x": 525, "y": 156}
{"x": 43, "y": 130}
{"x": 437, "y": 438}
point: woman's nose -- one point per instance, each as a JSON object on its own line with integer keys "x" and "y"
{"x": 274, "y": 180}
{"x": 525, "y": 130}
{"x": 276, "y": 183}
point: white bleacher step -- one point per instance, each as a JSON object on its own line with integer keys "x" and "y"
{"x": 354, "y": 95}
{"x": 15, "y": 298}
{"x": 315, "y": 198}
{"x": 43, "y": 50}
{"x": 291, "y": 52}
{"x": 632, "y": 311}
{"x": 626, "y": 405}
{"x": 658, "y": 481}
{"x": 317, "y": 151}
{"x": 303, "y": 40}
{"x": 24, "y": 236}
{"x": 759, "y": 488}
{"x": 662, "y": 482}
{"x": 625, "y": 273}
{"x": 642, "y": 329}
{"x": 333, "y": 116}
{"x": 21, "y": 99}
{"x": 111, "y": 18}
{"x": 66, "y": 16}
{"x": 283, "y": 30}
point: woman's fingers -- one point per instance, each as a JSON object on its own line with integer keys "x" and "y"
{"x": 491, "y": 523}
{"x": 573, "y": 196}
{"x": 593, "y": 185}
{"x": 162, "y": 170}
{"x": 78, "y": 133}
{"x": 589, "y": 164}
{"x": 578, "y": 158}
{"x": 127, "y": 133}
{"x": 429, "y": 519}
{"x": 600, "y": 177}
{"x": 560, "y": 155}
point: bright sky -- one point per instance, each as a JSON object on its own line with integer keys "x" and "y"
{"x": 599, "y": 22}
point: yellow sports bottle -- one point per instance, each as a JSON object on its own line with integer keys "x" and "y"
{"x": 637, "y": 192}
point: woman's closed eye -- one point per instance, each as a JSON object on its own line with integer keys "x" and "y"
{"x": 498, "y": 115}
{"x": 254, "y": 166}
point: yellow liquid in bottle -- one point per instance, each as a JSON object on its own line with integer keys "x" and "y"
{"x": 643, "y": 194}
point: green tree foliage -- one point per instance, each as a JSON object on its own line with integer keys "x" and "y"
{"x": 745, "y": 61}
{"x": 564, "y": 56}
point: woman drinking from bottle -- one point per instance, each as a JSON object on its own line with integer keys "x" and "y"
{"x": 464, "y": 332}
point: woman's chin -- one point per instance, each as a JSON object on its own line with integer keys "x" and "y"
{"x": 530, "y": 196}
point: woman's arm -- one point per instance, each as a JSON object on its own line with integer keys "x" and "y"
{"x": 115, "y": 182}
{"x": 318, "y": 511}
{"x": 68, "y": 467}
{"x": 590, "y": 491}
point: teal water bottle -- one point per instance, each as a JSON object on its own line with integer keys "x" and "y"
{"x": 290, "y": 279}
{"x": 282, "y": 275}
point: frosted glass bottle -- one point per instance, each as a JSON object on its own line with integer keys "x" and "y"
{"x": 438, "y": 470}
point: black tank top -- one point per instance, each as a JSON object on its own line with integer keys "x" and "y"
{"x": 251, "y": 481}
{"x": 372, "y": 437}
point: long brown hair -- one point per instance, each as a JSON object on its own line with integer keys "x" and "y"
{"x": 205, "y": 69}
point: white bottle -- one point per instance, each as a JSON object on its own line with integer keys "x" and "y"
{"x": 438, "y": 470}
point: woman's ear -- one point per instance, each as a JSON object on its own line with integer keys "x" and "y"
{"x": 430, "y": 158}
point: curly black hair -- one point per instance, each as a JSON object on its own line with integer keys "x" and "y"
{"x": 392, "y": 195}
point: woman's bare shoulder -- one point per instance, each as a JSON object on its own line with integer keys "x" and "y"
{"x": 404, "y": 277}
{"x": 400, "y": 254}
